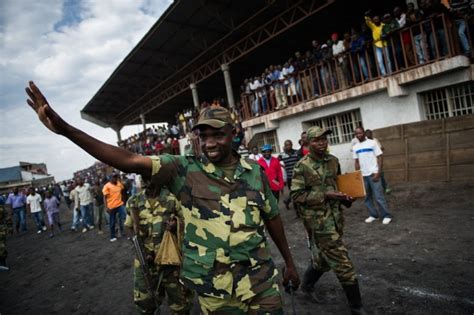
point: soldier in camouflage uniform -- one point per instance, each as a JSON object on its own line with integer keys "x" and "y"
{"x": 149, "y": 215}
{"x": 314, "y": 189}
{"x": 5, "y": 228}
{"x": 226, "y": 203}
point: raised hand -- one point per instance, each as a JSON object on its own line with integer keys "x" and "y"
{"x": 46, "y": 114}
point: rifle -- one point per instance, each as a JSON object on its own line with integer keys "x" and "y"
{"x": 137, "y": 244}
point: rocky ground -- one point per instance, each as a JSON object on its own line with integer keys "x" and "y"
{"x": 422, "y": 263}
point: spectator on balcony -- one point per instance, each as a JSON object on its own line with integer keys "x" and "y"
{"x": 158, "y": 146}
{"x": 316, "y": 57}
{"x": 302, "y": 80}
{"x": 379, "y": 43}
{"x": 390, "y": 35}
{"x": 401, "y": 18}
{"x": 325, "y": 75}
{"x": 414, "y": 17}
{"x": 437, "y": 44}
{"x": 358, "y": 55}
{"x": 346, "y": 61}
{"x": 174, "y": 131}
{"x": 216, "y": 103}
{"x": 254, "y": 85}
{"x": 262, "y": 93}
{"x": 269, "y": 83}
{"x": 372, "y": 66}
{"x": 280, "y": 87}
{"x": 290, "y": 80}
{"x": 337, "y": 51}
{"x": 462, "y": 11}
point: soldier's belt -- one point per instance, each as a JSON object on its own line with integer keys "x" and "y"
{"x": 221, "y": 267}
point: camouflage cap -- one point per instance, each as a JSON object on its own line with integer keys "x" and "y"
{"x": 316, "y": 131}
{"x": 216, "y": 117}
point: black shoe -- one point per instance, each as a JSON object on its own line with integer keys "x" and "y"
{"x": 287, "y": 204}
{"x": 3, "y": 265}
{"x": 310, "y": 277}
{"x": 353, "y": 296}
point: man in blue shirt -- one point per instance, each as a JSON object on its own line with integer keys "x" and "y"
{"x": 17, "y": 202}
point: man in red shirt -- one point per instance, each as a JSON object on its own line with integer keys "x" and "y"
{"x": 272, "y": 169}
{"x": 304, "y": 149}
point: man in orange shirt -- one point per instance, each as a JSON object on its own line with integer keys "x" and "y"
{"x": 113, "y": 204}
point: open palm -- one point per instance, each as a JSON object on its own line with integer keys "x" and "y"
{"x": 46, "y": 114}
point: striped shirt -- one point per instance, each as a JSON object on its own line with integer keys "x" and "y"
{"x": 290, "y": 160}
{"x": 460, "y": 5}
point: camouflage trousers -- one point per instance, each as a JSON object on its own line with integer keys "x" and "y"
{"x": 328, "y": 251}
{"x": 180, "y": 299}
{"x": 3, "y": 239}
{"x": 266, "y": 302}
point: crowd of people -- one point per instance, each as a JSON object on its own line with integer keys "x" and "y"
{"x": 378, "y": 47}
{"x": 83, "y": 195}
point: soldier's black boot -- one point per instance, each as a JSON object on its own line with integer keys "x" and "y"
{"x": 3, "y": 265}
{"x": 310, "y": 277}
{"x": 354, "y": 298}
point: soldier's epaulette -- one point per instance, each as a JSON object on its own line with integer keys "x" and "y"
{"x": 331, "y": 157}
{"x": 250, "y": 161}
{"x": 304, "y": 158}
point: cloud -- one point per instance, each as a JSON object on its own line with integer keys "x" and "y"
{"x": 69, "y": 48}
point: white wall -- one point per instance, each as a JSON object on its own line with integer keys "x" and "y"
{"x": 377, "y": 111}
{"x": 28, "y": 176}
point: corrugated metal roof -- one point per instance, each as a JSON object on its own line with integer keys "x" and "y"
{"x": 10, "y": 174}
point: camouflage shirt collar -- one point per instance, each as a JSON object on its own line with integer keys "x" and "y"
{"x": 325, "y": 158}
{"x": 210, "y": 168}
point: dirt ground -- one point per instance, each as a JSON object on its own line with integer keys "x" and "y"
{"x": 422, "y": 263}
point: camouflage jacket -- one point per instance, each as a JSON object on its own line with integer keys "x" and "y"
{"x": 153, "y": 212}
{"x": 224, "y": 224}
{"x": 311, "y": 179}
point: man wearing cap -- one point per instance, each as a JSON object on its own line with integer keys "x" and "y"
{"x": 314, "y": 189}
{"x": 272, "y": 169}
{"x": 227, "y": 204}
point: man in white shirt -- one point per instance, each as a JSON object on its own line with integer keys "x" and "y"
{"x": 368, "y": 159}
{"x": 338, "y": 49}
{"x": 84, "y": 195}
{"x": 254, "y": 86}
{"x": 255, "y": 155}
{"x": 33, "y": 203}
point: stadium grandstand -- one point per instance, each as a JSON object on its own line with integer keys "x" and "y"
{"x": 202, "y": 50}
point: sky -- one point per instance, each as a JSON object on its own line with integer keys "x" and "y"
{"x": 69, "y": 48}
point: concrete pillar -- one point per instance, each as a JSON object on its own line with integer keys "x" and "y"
{"x": 194, "y": 91}
{"x": 142, "y": 118}
{"x": 119, "y": 135}
{"x": 228, "y": 85}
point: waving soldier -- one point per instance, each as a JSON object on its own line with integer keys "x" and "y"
{"x": 226, "y": 203}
